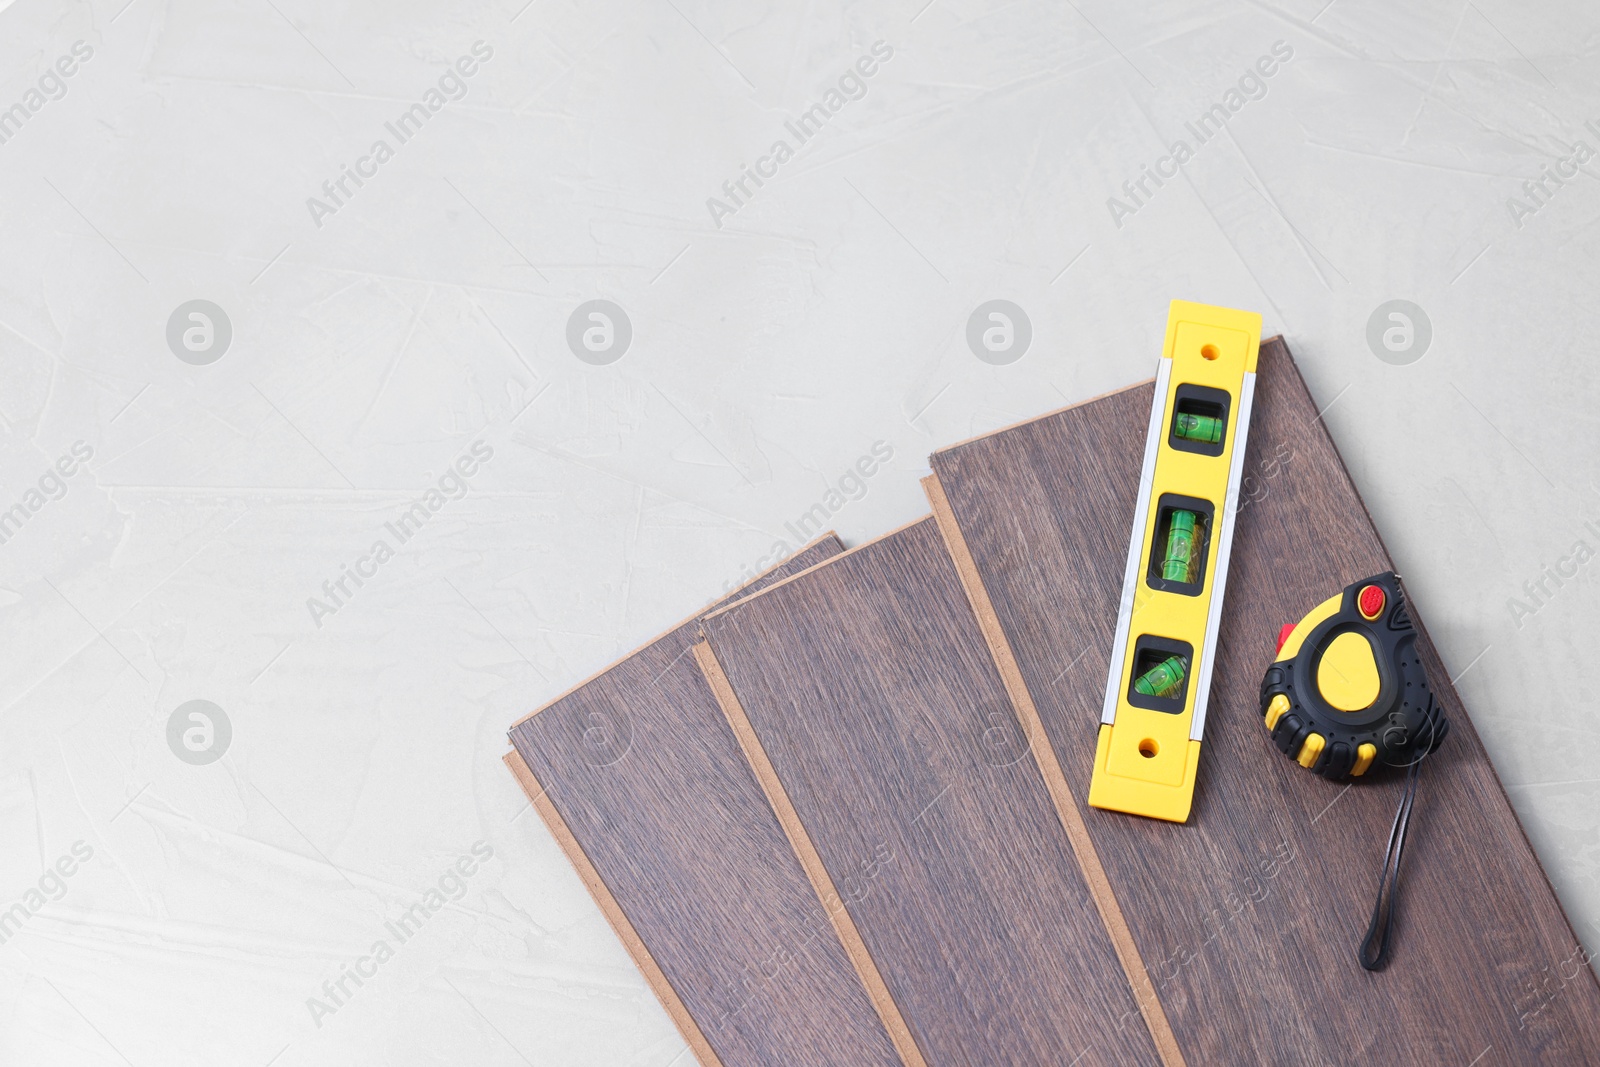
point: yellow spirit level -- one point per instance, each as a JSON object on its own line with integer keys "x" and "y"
{"x": 1160, "y": 674}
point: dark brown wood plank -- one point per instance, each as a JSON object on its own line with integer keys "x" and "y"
{"x": 1248, "y": 916}
{"x": 642, "y": 783}
{"x": 866, "y": 690}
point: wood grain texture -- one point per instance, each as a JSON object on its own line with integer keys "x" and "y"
{"x": 642, "y": 783}
{"x": 615, "y": 917}
{"x": 1055, "y": 780}
{"x": 832, "y": 902}
{"x": 1248, "y": 917}
{"x": 868, "y": 688}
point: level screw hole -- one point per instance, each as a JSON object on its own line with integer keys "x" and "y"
{"x": 1148, "y": 748}
{"x": 1209, "y": 352}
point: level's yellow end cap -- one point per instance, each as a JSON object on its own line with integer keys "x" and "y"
{"x": 1247, "y": 323}
{"x": 1115, "y": 792}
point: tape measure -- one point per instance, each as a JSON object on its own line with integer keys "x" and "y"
{"x": 1348, "y": 691}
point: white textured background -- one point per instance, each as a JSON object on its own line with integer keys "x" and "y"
{"x": 768, "y": 354}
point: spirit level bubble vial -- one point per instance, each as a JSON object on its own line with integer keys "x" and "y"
{"x": 1160, "y": 674}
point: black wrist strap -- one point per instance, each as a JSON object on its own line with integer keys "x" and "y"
{"x": 1374, "y": 951}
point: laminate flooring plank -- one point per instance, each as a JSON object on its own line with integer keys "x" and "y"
{"x": 1248, "y": 917}
{"x": 642, "y": 783}
{"x": 869, "y": 704}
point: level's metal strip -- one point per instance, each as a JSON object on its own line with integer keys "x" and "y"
{"x": 1219, "y": 581}
{"x": 1130, "y": 576}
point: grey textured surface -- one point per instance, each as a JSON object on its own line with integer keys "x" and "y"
{"x": 1384, "y": 160}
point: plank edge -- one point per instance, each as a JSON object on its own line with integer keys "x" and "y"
{"x": 742, "y": 601}
{"x": 800, "y": 841}
{"x": 654, "y": 976}
{"x": 731, "y": 595}
{"x": 1094, "y": 875}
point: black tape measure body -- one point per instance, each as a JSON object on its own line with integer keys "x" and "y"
{"x": 1312, "y": 696}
